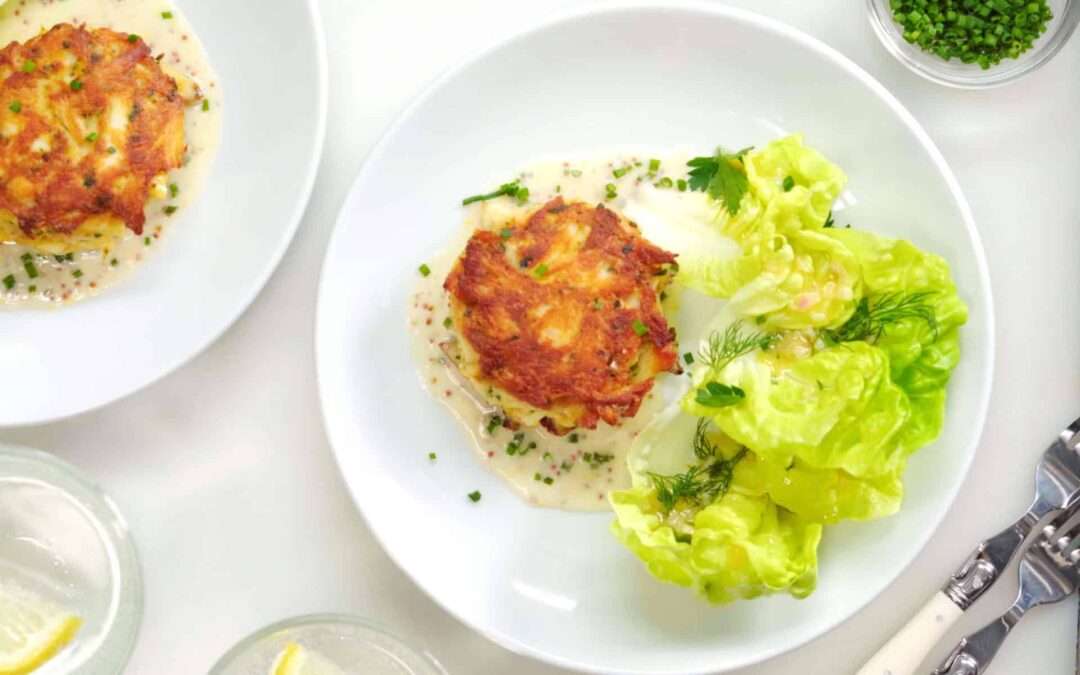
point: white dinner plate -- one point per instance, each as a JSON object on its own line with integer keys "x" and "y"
{"x": 556, "y": 585}
{"x": 218, "y": 253}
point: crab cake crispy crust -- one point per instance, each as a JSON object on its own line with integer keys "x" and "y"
{"x": 67, "y": 97}
{"x": 559, "y": 316}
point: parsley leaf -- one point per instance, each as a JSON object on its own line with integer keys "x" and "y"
{"x": 722, "y": 176}
{"x": 716, "y": 395}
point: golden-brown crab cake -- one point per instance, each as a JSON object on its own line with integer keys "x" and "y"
{"x": 89, "y": 126}
{"x": 558, "y": 316}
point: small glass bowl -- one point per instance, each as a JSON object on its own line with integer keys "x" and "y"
{"x": 354, "y": 645}
{"x": 63, "y": 540}
{"x": 953, "y": 73}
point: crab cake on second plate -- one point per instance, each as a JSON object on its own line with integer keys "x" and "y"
{"x": 89, "y": 126}
{"x": 558, "y": 316}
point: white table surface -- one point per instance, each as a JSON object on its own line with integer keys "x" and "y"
{"x": 228, "y": 482}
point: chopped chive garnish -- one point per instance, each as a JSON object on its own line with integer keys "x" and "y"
{"x": 566, "y": 465}
{"x": 431, "y": 456}
{"x": 29, "y": 66}
{"x": 76, "y": 85}
{"x": 166, "y": 15}
{"x": 114, "y": 262}
{"x": 576, "y": 173}
{"x": 548, "y": 480}
{"x": 169, "y": 210}
{"x": 547, "y": 457}
{"x": 30, "y": 267}
{"x": 205, "y": 104}
{"x": 112, "y": 150}
{"x": 689, "y": 358}
{"x": 620, "y": 172}
{"x": 789, "y": 183}
{"x": 540, "y": 270}
{"x": 447, "y": 322}
{"x": 475, "y": 496}
{"x": 32, "y": 289}
{"x": 505, "y": 233}
{"x": 665, "y": 183}
{"x": 9, "y": 281}
{"x": 91, "y": 137}
{"x": 493, "y": 424}
{"x": 597, "y": 304}
{"x": 77, "y": 274}
{"x": 611, "y": 191}
{"x": 536, "y": 477}
{"x": 654, "y": 165}
{"x": 146, "y": 240}
{"x": 424, "y": 269}
{"x": 133, "y": 38}
{"x": 681, "y": 184}
{"x": 174, "y": 190}
{"x": 15, "y": 107}
{"x": 640, "y": 329}
{"x": 573, "y": 438}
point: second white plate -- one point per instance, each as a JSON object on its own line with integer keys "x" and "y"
{"x": 217, "y": 255}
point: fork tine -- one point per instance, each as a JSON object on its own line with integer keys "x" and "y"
{"x": 1063, "y": 526}
{"x": 1060, "y": 537}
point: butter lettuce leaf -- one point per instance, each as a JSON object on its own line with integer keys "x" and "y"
{"x": 741, "y": 545}
{"x": 837, "y": 409}
{"x": 821, "y": 495}
{"x": 738, "y": 547}
{"x": 815, "y": 184}
{"x": 788, "y": 272}
{"x": 922, "y": 354}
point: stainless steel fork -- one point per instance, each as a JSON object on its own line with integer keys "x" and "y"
{"x": 1048, "y": 574}
{"x": 1057, "y": 487}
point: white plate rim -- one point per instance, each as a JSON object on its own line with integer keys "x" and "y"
{"x": 335, "y": 433}
{"x": 294, "y": 219}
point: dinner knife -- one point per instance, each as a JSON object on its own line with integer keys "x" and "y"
{"x": 1057, "y": 486}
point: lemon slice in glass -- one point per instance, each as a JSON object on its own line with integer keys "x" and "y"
{"x": 296, "y": 660}
{"x": 32, "y": 630}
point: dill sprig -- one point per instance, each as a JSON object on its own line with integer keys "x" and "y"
{"x": 872, "y": 318}
{"x": 722, "y": 349}
{"x": 700, "y": 484}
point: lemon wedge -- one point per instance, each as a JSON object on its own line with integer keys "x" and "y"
{"x": 32, "y": 630}
{"x": 296, "y": 660}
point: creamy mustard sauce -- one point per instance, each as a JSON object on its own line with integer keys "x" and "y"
{"x": 575, "y": 471}
{"x": 66, "y": 279}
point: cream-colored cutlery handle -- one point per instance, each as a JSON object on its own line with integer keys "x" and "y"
{"x": 908, "y": 648}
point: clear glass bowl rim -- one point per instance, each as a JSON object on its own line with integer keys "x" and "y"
{"x": 1045, "y": 48}
{"x": 251, "y": 640}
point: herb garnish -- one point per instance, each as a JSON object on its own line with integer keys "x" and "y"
{"x": 596, "y": 459}
{"x": 871, "y": 320}
{"x": 716, "y": 395}
{"x": 511, "y": 189}
{"x": 719, "y": 176}
{"x": 699, "y": 484}
{"x": 475, "y": 496}
{"x": 722, "y": 349}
